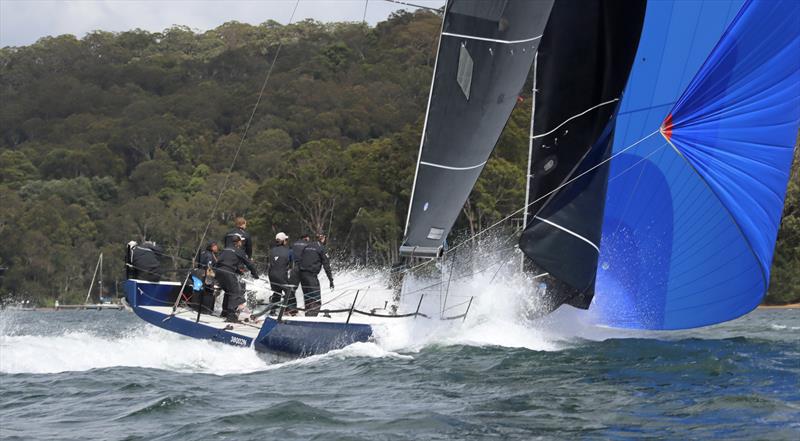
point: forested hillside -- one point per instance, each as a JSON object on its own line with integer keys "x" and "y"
{"x": 120, "y": 136}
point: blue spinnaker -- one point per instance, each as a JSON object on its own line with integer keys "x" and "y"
{"x": 692, "y": 213}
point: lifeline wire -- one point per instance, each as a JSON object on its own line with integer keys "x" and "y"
{"x": 236, "y": 155}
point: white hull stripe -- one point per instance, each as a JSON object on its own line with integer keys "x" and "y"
{"x": 447, "y": 167}
{"x": 493, "y": 40}
{"x": 576, "y": 116}
{"x": 568, "y": 231}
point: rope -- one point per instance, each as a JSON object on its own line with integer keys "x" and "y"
{"x": 236, "y": 155}
{"x": 413, "y": 5}
{"x": 542, "y": 197}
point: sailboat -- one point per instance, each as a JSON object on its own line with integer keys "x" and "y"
{"x": 661, "y": 140}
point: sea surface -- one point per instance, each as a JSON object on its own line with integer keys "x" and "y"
{"x": 90, "y": 375}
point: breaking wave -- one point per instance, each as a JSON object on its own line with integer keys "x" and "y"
{"x": 498, "y": 316}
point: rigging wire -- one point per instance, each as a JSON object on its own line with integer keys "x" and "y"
{"x": 413, "y": 5}
{"x": 236, "y": 155}
{"x": 542, "y": 197}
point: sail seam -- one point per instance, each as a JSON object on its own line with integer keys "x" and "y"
{"x": 493, "y": 40}
{"x": 746, "y": 240}
{"x": 447, "y": 167}
{"x": 576, "y": 116}
{"x": 568, "y": 231}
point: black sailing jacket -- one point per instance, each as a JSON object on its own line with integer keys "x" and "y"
{"x": 247, "y": 245}
{"x": 230, "y": 258}
{"x": 280, "y": 262}
{"x": 314, "y": 258}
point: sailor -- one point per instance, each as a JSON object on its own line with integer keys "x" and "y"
{"x": 204, "y": 287}
{"x": 145, "y": 261}
{"x": 227, "y": 270}
{"x": 280, "y": 264}
{"x": 313, "y": 259}
{"x": 297, "y": 250}
{"x": 208, "y": 257}
{"x": 240, "y": 227}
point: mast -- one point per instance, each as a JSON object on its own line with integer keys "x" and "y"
{"x": 94, "y": 276}
{"x": 528, "y": 174}
{"x": 100, "y": 281}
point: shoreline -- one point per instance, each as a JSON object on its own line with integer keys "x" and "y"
{"x": 786, "y": 306}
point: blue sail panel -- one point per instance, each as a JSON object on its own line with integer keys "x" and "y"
{"x": 737, "y": 121}
{"x": 673, "y": 255}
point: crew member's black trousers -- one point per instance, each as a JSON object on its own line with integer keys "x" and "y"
{"x": 233, "y": 292}
{"x": 282, "y": 286}
{"x": 312, "y": 293}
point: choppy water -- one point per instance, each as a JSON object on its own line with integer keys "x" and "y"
{"x": 88, "y": 375}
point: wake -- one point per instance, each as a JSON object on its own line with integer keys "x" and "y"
{"x": 498, "y": 316}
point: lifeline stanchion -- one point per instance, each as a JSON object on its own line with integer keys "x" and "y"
{"x": 352, "y": 307}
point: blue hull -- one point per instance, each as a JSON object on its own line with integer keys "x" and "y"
{"x": 308, "y": 338}
{"x": 293, "y": 337}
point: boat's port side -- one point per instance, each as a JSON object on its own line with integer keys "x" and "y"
{"x": 152, "y": 302}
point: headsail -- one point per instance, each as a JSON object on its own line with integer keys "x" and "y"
{"x": 582, "y": 67}
{"x": 485, "y": 54}
{"x": 692, "y": 215}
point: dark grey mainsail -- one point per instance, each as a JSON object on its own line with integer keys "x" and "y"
{"x": 583, "y": 65}
{"x": 485, "y": 54}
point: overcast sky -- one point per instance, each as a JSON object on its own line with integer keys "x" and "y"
{"x": 22, "y": 22}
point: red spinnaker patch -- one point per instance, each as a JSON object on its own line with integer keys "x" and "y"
{"x": 666, "y": 127}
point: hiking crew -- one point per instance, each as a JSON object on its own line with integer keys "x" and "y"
{"x": 145, "y": 262}
{"x": 227, "y": 271}
{"x": 313, "y": 259}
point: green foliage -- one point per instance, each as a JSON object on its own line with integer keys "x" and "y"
{"x": 785, "y": 278}
{"x": 130, "y": 136}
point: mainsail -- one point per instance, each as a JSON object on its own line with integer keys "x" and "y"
{"x": 692, "y": 213}
{"x": 485, "y": 53}
{"x": 581, "y": 69}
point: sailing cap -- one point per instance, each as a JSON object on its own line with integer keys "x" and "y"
{"x": 281, "y": 236}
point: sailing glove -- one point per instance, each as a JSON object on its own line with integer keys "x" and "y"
{"x": 331, "y": 283}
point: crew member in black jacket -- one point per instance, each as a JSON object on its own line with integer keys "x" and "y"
{"x": 280, "y": 265}
{"x": 240, "y": 230}
{"x": 227, "y": 270}
{"x": 313, "y": 259}
{"x": 145, "y": 262}
{"x": 208, "y": 257}
{"x": 297, "y": 251}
